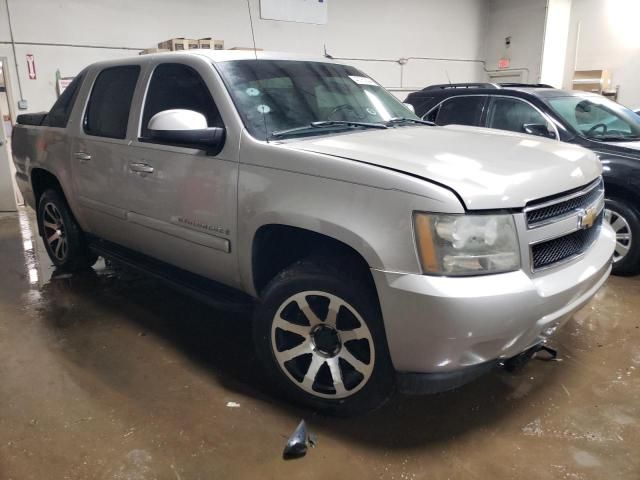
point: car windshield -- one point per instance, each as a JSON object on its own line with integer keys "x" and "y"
{"x": 278, "y": 98}
{"x": 598, "y": 118}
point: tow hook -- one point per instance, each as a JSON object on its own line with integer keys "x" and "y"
{"x": 514, "y": 364}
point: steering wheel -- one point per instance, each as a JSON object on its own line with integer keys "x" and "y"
{"x": 340, "y": 108}
{"x": 597, "y": 126}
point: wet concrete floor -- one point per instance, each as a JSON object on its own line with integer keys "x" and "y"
{"x": 106, "y": 375}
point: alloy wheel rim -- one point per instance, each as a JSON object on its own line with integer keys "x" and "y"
{"x": 322, "y": 344}
{"x": 622, "y": 229}
{"x": 54, "y": 231}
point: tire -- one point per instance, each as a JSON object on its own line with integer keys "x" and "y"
{"x": 317, "y": 341}
{"x": 62, "y": 236}
{"x": 626, "y": 223}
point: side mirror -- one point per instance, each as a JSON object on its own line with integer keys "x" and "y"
{"x": 410, "y": 107}
{"x": 186, "y": 128}
{"x": 538, "y": 129}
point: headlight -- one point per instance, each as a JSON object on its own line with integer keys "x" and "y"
{"x": 466, "y": 244}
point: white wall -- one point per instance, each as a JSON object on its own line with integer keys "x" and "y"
{"x": 609, "y": 38}
{"x": 555, "y": 42}
{"x": 524, "y": 22}
{"x": 356, "y": 29}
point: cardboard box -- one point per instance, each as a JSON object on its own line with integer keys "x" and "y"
{"x": 596, "y": 81}
{"x": 246, "y": 48}
{"x": 211, "y": 43}
{"x": 147, "y": 51}
{"x": 179, "y": 43}
{"x": 174, "y": 44}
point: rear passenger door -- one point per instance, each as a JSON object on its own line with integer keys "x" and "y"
{"x": 100, "y": 150}
{"x": 461, "y": 110}
{"x": 182, "y": 201}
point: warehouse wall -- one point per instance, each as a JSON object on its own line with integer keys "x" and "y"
{"x": 365, "y": 29}
{"x": 555, "y": 42}
{"x": 605, "y": 34}
{"x": 524, "y": 22}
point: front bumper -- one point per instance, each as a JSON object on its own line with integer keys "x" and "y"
{"x": 445, "y": 324}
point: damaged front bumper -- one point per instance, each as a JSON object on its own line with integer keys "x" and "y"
{"x": 445, "y": 331}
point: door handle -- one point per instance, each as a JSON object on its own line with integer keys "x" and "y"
{"x": 83, "y": 156}
{"x": 141, "y": 167}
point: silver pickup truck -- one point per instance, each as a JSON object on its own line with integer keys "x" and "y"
{"x": 377, "y": 252}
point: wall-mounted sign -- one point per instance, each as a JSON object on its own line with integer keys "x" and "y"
{"x": 63, "y": 83}
{"x": 31, "y": 66}
{"x": 504, "y": 63}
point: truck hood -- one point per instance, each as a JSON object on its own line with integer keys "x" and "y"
{"x": 488, "y": 169}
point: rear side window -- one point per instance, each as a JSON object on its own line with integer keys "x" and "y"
{"x": 461, "y": 111}
{"x": 108, "y": 109}
{"x": 61, "y": 110}
{"x": 177, "y": 86}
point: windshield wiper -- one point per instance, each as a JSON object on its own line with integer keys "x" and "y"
{"x": 324, "y": 124}
{"x": 397, "y": 120}
{"x": 614, "y": 137}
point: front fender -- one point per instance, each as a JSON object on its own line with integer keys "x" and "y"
{"x": 377, "y": 223}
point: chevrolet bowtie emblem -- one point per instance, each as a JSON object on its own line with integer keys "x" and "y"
{"x": 586, "y": 218}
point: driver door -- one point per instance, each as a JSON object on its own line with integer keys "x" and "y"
{"x": 182, "y": 202}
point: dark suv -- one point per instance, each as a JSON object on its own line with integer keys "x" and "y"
{"x": 586, "y": 119}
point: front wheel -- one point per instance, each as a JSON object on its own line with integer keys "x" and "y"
{"x": 626, "y": 224}
{"x": 320, "y": 337}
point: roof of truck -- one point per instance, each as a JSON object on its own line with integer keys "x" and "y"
{"x": 226, "y": 55}
{"x": 214, "y": 56}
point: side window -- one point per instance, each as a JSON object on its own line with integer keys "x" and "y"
{"x": 108, "y": 109}
{"x": 422, "y": 105}
{"x": 59, "y": 114}
{"x": 178, "y": 86}
{"x": 432, "y": 115}
{"x": 512, "y": 114}
{"x": 461, "y": 110}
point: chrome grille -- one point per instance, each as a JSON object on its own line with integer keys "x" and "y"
{"x": 563, "y": 227}
{"x": 545, "y": 254}
{"x": 541, "y": 213}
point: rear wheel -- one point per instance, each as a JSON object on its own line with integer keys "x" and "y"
{"x": 63, "y": 239}
{"x": 626, "y": 224}
{"x": 320, "y": 337}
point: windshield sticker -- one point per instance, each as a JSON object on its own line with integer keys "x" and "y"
{"x": 371, "y": 111}
{"x": 263, "y": 108}
{"x": 252, "y": 92}
{"x": 362, "y": 80}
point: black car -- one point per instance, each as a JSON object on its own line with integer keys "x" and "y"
{"x": 586, "y": 119}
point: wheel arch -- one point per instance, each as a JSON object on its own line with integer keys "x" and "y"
{"x": 42, "y": 180}
{"x": 276, "y": 246}
{"x": 623, "y": 193}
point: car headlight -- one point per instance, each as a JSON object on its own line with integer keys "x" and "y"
{"x": 466, "y": 244}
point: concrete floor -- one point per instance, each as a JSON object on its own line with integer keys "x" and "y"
{"x": 111, "y": 376}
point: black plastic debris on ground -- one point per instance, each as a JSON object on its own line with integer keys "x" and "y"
{"x": 298, "y": 442}
{"x": 515, "y": 364}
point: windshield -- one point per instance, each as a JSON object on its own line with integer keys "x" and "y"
{"x": 598, "y": 118}
{"x": 275, "y": 96}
